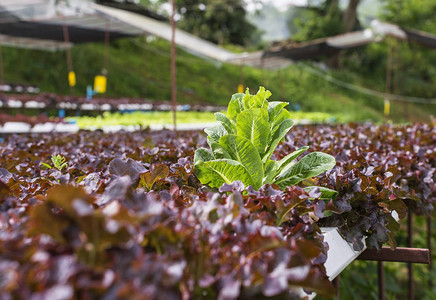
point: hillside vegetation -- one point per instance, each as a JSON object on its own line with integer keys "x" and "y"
{"x": 141, "y": 68}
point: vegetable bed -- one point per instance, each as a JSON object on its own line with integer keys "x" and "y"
{"x": 127, "y": 218}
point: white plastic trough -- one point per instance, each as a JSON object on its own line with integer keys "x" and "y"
{"x": 34, "y": 104}
{"x": 12, "y": 103}
{"x": 88, "y": 106}
{"x": 340, "y": 253}
{"x": 22, "y": 127}
{"x": 154, "y": 127}
{"x": 67, "y": 105}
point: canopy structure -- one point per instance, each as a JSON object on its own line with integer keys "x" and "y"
{"x": 38, "y": 24}
{"x": 332, "y": 45}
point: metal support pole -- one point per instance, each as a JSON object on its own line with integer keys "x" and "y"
{"x": 409, "y": 244}
{"x": 144, "y": 89}
{"x": 381, "y": 280}
{"x": 106, "y": 48}
{"x": 173, "y": 64}
{"x": 396, "y": 76}
{"x": 262, "y": 68}
{"x": 395, "y": 67}
{"x": 1, "y": 66}
{"x": 242, "y": 76}
{"x": 68, "y": 51}
{"x": 337, "y": 284}
{"x": 388, "y": 80}
{"x": 280, "y": 80}
{"x": 67, "y": 48}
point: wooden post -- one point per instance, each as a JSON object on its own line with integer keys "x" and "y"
{"x": 400, "y": 254}
{"x": 381, "y": 280}
{"x": 429, "y": 246}
{"x": 337, "y": 284}
{"x": 409, "y": 244}
{"x": 173, "y": 64}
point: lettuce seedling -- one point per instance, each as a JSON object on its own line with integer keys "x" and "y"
{"x": 242, "y": 142}
{"x": 58, "y": 162}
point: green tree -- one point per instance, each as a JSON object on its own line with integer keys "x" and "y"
{"x": 219, "y": 21}
{"x": 317, "y": 21}
{"x": 322, "y": 19}
{"x": 417, "y": 70}
{"x": 416, "y": 14}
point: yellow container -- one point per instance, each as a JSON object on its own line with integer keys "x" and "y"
{"x": 387, "y": 107}
{"x": 71, "y": 78}
{"x": 100, "y": 82}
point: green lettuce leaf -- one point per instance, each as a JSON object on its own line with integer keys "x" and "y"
{"x": 226, "y": 122}
{"x": 235, "y": 106}
{"x": 260, "y": 100}
{"x": 277, "y": 114}
{"x": 220, "y": 171}
{"x": 270, "y": 171}
{"x": 216, "y": 132}
{"x": 280, "y": 133}
{"x": 202, "y": 154}
{"x": 243, "y": 151}
{"x": 252, "y": 124}
{"x": 310, "y": 165}
{"x": 218, "y": 151}
{"x": 290, "y": 157}
{"x": 326, "y": 194}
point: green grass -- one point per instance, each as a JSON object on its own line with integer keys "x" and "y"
{"x": 139, "y": 68}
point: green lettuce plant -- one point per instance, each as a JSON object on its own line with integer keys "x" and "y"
{"x": 58, "y": 162}
{"x": 242, "y": 142}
